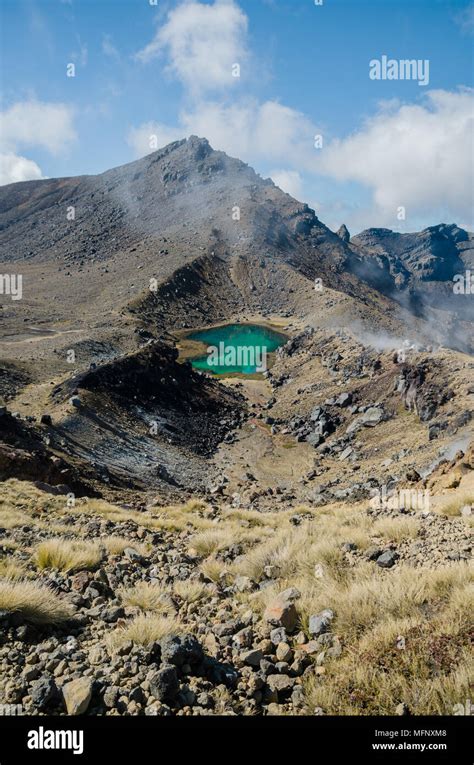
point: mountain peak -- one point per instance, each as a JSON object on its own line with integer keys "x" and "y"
{"x": 343, "y": 233}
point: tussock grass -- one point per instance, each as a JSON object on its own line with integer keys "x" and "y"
{"x": 215, "y": 540}
{"x": 396, "y": 529}
{"x": 12, "y": 569}
{"x": 35, "y": 603}
{"x": 213, "y": 569}
{"x": 293, "y": 554}
{"x": 211, "y": 541}
{"x": 11, "y": 518}
{"x": 66, "y": 555}
{"x": 148, "y": 596}
{"x": 429, "y": 608}
{"x": 144, "y": 630}
{"x": 369, "y": 598}
{"x": 170, "y": 518}
{"x": 427, "y": 666}
{"x": 191, "y": 591}
{"x": 115, "y": 545}
{"x": 453, "y": 507}
{"x": 254, "y": 518}
{"x": 9, "y": 544}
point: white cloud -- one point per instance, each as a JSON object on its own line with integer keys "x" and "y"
{"x": 151, "y": 135}
{"x": 14, "y": 168}
{"x": 47, "y": 126}
{"x": 289, "y": 181}
{"x": 35, "y": 123}
{"x": 202, "y": 42}
{"x": 249, "y": 130}
{"x": 415, "y": 156}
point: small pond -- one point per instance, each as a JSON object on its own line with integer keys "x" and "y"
{"x": 235, "y": 349}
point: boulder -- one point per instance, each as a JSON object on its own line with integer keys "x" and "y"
{"x": 371, "y": 417}
{"x": 77, "y": 695}
{"x": 281, "y": 612}
{"x": 164, "y": 684}
{"x": 178, "y": 650}
{"x": 44, "y": 693}
{"x": 281, "y": 684}
{"x": 319, "y": 623}
{"x": 252, "y": 658}
{"x": 387, "y": 559}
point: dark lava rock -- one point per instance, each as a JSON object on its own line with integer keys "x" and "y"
{"x": 44, "y": 693}
{"x": 319, "y": 623}
{"x": 178, "y": 650}
{"x": 164, "y": 684}
{"x": 372, "y": 553}
{"x": 387, "y": 559}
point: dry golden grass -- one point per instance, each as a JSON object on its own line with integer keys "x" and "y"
{"x": 12, "y": 569}
{"x": 212, "y": 541}
{"x": 170, "y": 518}
{"x": 368, "y": 597}
{"x": 396, "y": 529}
{"x": 430, "y": 608}
{"x": 9, "y": 544}
{"x": 34, "y": 603}
{"x": 115, "y": 545}
{"x": 147, "y": 596}
{"x": 66, "y": 555}
{"x": 213, "y": 569}
{"x": 11, "y": 518}
{"x": 191, "y": 591}
{"x": 293, "y": 553}
{"x": 452, "y": 507}
{"x": 144, "y": 629}
{"x": 426, "y": 664}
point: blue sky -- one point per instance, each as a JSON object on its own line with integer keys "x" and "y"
{"x": 394, "y": 152}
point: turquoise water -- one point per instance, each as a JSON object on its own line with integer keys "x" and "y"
{"x": 236, "y": 348}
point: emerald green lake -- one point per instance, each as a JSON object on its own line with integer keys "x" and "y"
{"x": 236, "y": 348}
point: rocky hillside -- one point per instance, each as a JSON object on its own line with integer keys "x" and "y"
{"x": 422, "y": 270}
{"x": 204, "y": 609}
{"x": 172, "y": 543}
